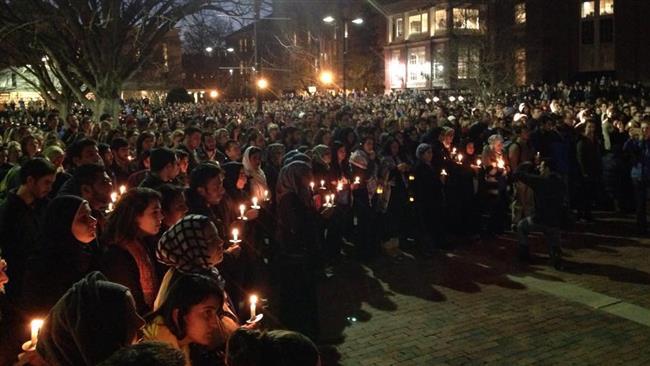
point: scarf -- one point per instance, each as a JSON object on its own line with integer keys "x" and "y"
{"x": 257, "y": 177}
{"x": 292, "y": 180}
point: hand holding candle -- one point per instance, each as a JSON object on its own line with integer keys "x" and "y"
{"x": 35, "y": 325}
{"x": 253, "y": 302}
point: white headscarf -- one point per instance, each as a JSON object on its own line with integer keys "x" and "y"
{"x": 257, "y": 178}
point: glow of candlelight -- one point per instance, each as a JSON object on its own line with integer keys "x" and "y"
{"x": 122, "y": 189}
{"x": 500, "y": 163}
{"x": 255, "y": 205}
{"x": 36, "y": 326}
{"x": 411, "y": 199}
{"x": 322, "y": 184}
{"x": 266, "y": 195}
{"x": 339, "y": 186}
{"x": 478, "y": 162}
{"x": 327, "y": 201}
{"x": 311, "y": 185}
{"x": 411, "y": 178}
{"x": 110, "y": 207}
{"x": 253, "y": 300}
{"x": 460, "y": 158}
{"x": 453, "y": 151}
{"x": 380, "y": 190}
{"x": 357, "y": 180}
{"x": 235, "y": 235}
{"x": 443, "y": 173}
{"x": 113, "y": 196}
{"x": 242, "y": 211}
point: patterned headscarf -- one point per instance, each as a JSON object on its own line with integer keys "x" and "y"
{"x": 184, "y": 247}
{"x": 318, "y": 152}
{"x": 291, "y": 180}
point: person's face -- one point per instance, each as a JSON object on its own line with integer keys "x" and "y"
{"x": 210, "y": 143}
{"x": 84, "y": 225}
{"x": 469, "y": 148}
{"x": 213, "y": 191}
{"x": 100, "y": 194}
{"x": 234, "y": 152}
{"x": 241, "y": 179}
{"x": 259, "y": 141}
{"x": 122, "y": 153}
{"x": 177, "y": 210}
{"x": 327, "y": 139}
{"x": 173, "y": 169}
{"x": 202, "y": 322}
{"x": 327, "y": 157}
{"x": 369, "y": 146}
{"x": 394, "y": 149}
{"x": 448, "y": 139}
{"x": 497, "y": 145}
{"x": 214, "y": 243}
{"x": 108, "y": 157}
{"x": 150, "y": 220}
{"x": 89, "y": 155}
{"x": 41, "y": 187}
{"x": 427, "y": 156}
{"x": 57, "y": 160}
{"x": 645, "y": 130}
{"x": 590, "y": 129}
{"x": 194, "y": 140}
{"x": 256, "y": 160}
{"x": 148, "y": 143}
{"x": 31, "y": 147}
{"x": 4, "y": 279}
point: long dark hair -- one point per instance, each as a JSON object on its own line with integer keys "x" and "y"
{"x": 186, "y": 291}
{"x": 122, "y": 224}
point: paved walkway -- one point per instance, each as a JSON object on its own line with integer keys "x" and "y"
{"x": 475, "y": 305}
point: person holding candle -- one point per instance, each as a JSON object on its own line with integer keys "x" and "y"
{"x": 365, "y": 167}
{"x": 272, "y": 167}
{"x": 164, "y": 168}
{"x": 91, "y": 321}
{"x": 494, "y": 198}
{"x": 296, "y": 264}
{"x": 394, "y": 169}
{"x": 252, "y": 162}
{"x": 137, "y": 215}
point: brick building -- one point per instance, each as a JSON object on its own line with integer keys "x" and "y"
{"x": 455, "y": 44}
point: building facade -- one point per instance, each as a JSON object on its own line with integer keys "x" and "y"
{"x": 456, "y": 44}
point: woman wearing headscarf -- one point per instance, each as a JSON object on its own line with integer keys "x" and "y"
{"x": 393, "y": 197}
{"x": 252, "y": 162}
{"x": 494, "y": 186}
{"x": 428, "y": 189}
{"x": 272, "y": 167}
{"x": 296, "y": 265}
{"x": 91, "y": 321}
{"x": 321, "y": 165}
{"x": 68, "y": 250}
{"x": 193, "y": 246}
{"x": 364, "y": 185}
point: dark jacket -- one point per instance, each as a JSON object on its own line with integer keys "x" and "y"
{"x": 549, "y": 195}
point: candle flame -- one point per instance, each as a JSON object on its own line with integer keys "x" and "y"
{"x": 253, "y": 299}
{"x": 411, "y": 177}
{"x": 357, "y": 180}
{"x": 122, "y": 189}
{"x": 114, "y": 196}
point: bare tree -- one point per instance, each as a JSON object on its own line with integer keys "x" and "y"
{"x": 205, "y": 29}
{"x": 94, "y": 46}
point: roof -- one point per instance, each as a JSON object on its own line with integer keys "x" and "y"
{"x": 406, "y": 5}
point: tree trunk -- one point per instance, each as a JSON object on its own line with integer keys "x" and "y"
{"x": 107, "y": 100}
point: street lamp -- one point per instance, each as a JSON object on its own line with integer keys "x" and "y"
{"x": 326, "y": 77}
{"x": 262, "y": 83}
{"x": 214, "y": 94}
{"x": 230, "y": 50}
{"x": 358, "y": 21}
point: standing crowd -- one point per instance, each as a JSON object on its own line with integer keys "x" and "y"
{"x": 139, "y": 239}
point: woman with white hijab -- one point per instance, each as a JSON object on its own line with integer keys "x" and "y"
{"x": 253, "y": 168}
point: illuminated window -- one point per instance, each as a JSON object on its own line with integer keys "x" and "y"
{"x": 468, "y": 62}
{"x": 419, "y": 70}
{"x": 440, "y": 21}
{"x": 606, "y": 7}
{"x": 419, "y": 23}
{"x": 466, "y": 18}
{"x": 399, "y": 27}
{"x": 588, "y": 9}
{"x": 520, "y": 13}
{"x": 396, "y": 69}
{"x": 165, "y": 52}
{"x": 520, "y": 66}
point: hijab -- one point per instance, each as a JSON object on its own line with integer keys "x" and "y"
{"x": 318, "y": 152}
{"x": 422, "y": 148}
{"x": 56, "y": 232}
{"x": 184, "y": 247}
{"x": 292, "y": 180}
{"x": 89, "y": 323}
{"x": 274, "y": 150}
{"x": 257, "y": 180}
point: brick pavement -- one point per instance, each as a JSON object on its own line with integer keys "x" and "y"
{"x": 466, "y": 307}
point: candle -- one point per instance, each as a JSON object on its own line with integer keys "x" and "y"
{"x": 411, "y": 177}
{"x": 339, "y": 186}
{"x": 357, "y": 180}
{"x": 332, "y": 196}
{"x": 478, "y": 162}
{"x": 110, "y": 207}
{"x": 36, "y": 325}
{"x": 327, "y": 201}
{"x": 255, "y": 205}
{"x": 500, "y": 163}
{"x": 411, "y": 199}
{"x": 266, "y": 195}
{"x": 122, "y": 189}
{"x": 114, "y": 196}
{"x": 453, "y": 151}
{"x": 311, "y": 185}
{"x": 253, "y": 301}
{"x": 460, "y": 158}
{"x": 443, "y": 173}
{"x": 235, "y": 235}
{"x": 130, "y": 158}
{"x": 380, "y": 190}
{"x": 242, "y": 211}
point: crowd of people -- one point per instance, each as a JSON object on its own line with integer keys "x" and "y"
{"x": 140, "y": 238}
